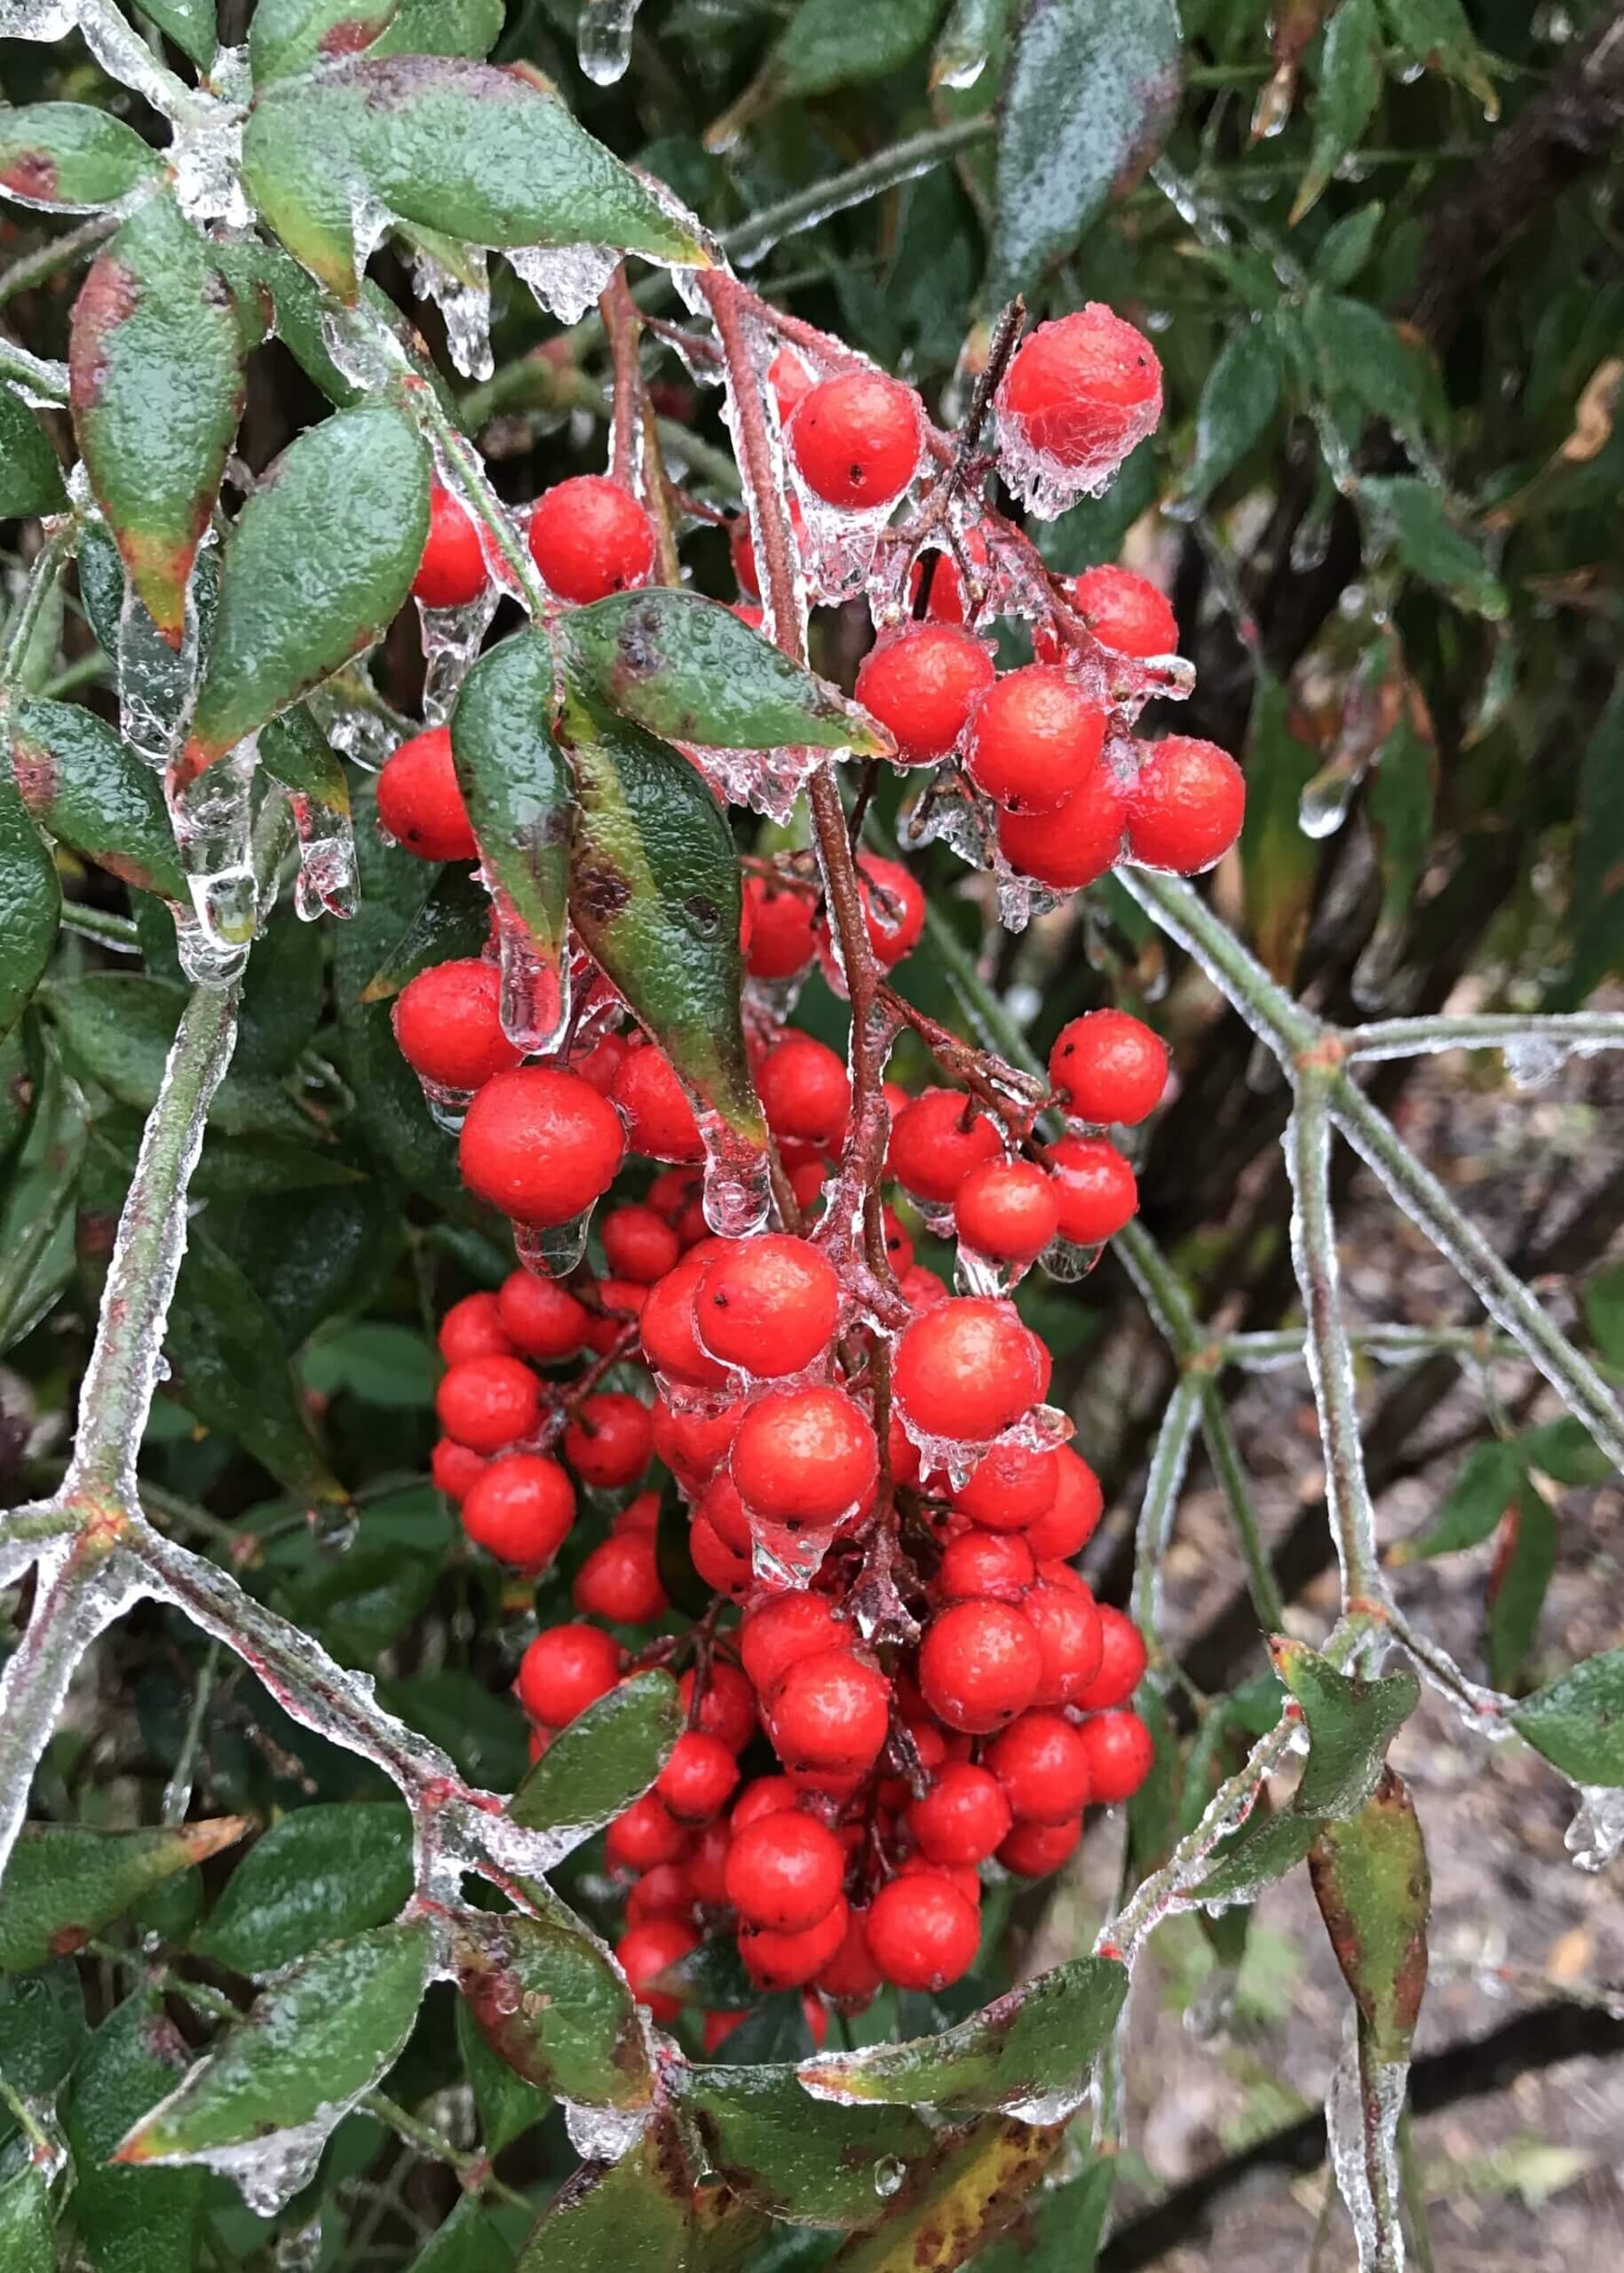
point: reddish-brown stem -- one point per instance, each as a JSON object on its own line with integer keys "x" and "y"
{"x": 623, "y": 325}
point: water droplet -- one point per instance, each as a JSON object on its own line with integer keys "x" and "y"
{"x": 1324, "y": 804}
{"x": 888, "y": 2176}
{"x": 552, "y": 1250}
{"x": 603, "y": 38}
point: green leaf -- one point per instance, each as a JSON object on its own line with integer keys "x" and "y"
{"x": 281, "y": 999}
{"x": 1350, "y": 1724}
{"x": 190, "y": 23}
{"x": 1399, "y": 802}
{"x": 827, "y": 45}
{"x": 470, "y": 2241}
{"x": 157, "y": 387}
{"x": 1088, "y": 92}
{"x": 41, "y": 2029}
{"x": 294, "y": 750}
{"x": 27, "y": 2245}
{"x": 1578, "y": 1720}
{"x": 453, "y": 922}
{"x": 1025, "y": 2047}
{"x": 1370, "y": 1878}
{"x": 655, "y": 893}
{"x": 506, "y": 2104}
{"x": 322, "y": 558}
{"x": 1350, "y": 89}
{"x": 37, "y": 1208}
{"x": 972, "y": 36}
{"x": 70, "y": 157}
{"x": 1597, "y": 917}
{"x": 953, "y": 2202}
{"x": 1346, "y": 246}
{"x": 227, "y": 1369}
{"x": 550, "y": 2003}
{"x": 318, "y": 2035}
{"x": 516, "y": 785}
{"x": 794, "y": 2156}
{"x": 64, "y": 1883}
{"x": 458, "y": 146}
{"x": 1239, "y": 397}
{"x": 362, "y": 1602}
{"x": 1436, "y": 32}
{"x": 604, "y": 1759}
{"x": 1279, "y": 861}
{"x": 1409, "y": 513}
{"x": 1564, "y": 1451}
{"x": 87, "y": 789}
{"x": 1603, "y": 1307}
{"x": 713, "y": 1975}
{"x": 1266, "y": 1847}
{"x": 290, "y": 35}
{"x": 1483, "y": 1488}
{"x": 688, "y": 671}
{"x": 320, "y": 1874}
{"x": 30, "y": 904}
{"x": 1060, "y": 2229}
{"x": 383, "y": 1365}
{"x": 30, "y": 472}
{"x": 1522, "y": 1578}
{"x": 115, "y": 1028}
{"x": 1361, "y": 355}
{"x": 127, "y": 2220}
{"x": 463, "y": 1716}
{"x": 629, "y": 2216}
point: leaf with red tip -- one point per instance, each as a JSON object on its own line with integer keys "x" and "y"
{"x": 290, "y": 35}
{"x": 65, "y": 1882}
{"x": 70, "y": 157}
{"x": 87, "y": 789}
{"x": 1374, "y": 1890}
{"x": 549, "y": 2002}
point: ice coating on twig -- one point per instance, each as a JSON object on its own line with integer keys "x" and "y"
{"x": 1361, "y": 2121}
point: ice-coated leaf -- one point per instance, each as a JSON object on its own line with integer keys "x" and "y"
{"x": 687, "y": 669}
{"x": 1360, "y": 354}
{"x": 27, "y": 2245}
{"x": 1239, "y": 396}
{"x": 655, "y": 893}
{"x": 470, "y": 2241}
{"x": 318, "y": 2035}
{"x": 322, "y": 558}
{"x": 1564, "y": 1451}
{"x": 595, "y": 1768}
{"x": 1437, "y": 34}
{"x": 1370, "y": 1878}
{"x": 131, "y": 2222}
{"x": 322, "y": 1873}
{"x": 1025, "y": 2048}
{"x": 65, "y": 1882}
{"x": 1060, "y": 2227}
{"x": 30, "y": 472}
{"x": 973, "y": 33}
{"x": 42, "y": 2026}
{"x": 828, "y": 45}
{"x": 806, "y": 2160}
{"x": 1349, "y": 90}
{"x": 453, "y": 922}
{"x": 115, "y": 1028}
{"x": 87, "y": 789}
{"x": 294, "y": 750}
{"x": 1523, "y": 1569}
{"x": 455, "y": 145}
{"x": 1483, "y": 1490}
{"x": 289, "y": 36}
{"x": 549, "y": 2003}
{"x": 1278, "y": 859}
{"x": 629, "y": 2216}
{"x": 30, "y": 904}
{"x": 1265, "y": 1847}
{"x": 70, "y": 157}
{"x": 156, "y": 387}
{"x": 1577, "y": 1720}
{"x": 506, "y": 2104}
{"x": 1411, "y": 513}
{"x": 1086, "y": 92}
{"x": 950, "y": 2206}
{"x": 191, "y": 24}
{"x": 37, "y": 1204}
{"x": 516, "y": 785}
{"x": 1350, "y": 1724}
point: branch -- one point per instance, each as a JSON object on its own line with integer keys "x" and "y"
{"x": 1584, "y": 1031}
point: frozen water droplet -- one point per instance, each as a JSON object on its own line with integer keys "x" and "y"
{"x": 889, "y": 2174}
{"x": 552, "y": 1250}
{"x": 299, "y": 2249}
{"x": 784, "y": 1559}
{"x": 328, "y": 878}
{"x": 1048, "y": 484}
{"x": 565, "y": 279}
{"x": 535, "y": 987}
{"x": 205, "y": 162}
{"x": 465, "y": 304}
{"x": 1065, "y": 1260}
{"x": 1323, "y": 806}
{"x": 1596, "y": 1831}
{"x": 1533, "y": 1060}
{"x": 959, "y": 76}
{"x": 602, "y": 2135}
{"x": 334, "y": 1526}
{"x": 452, "y": 637}
{"x": 213, "y": 820}
{"x": 738, "y": 1191}
{"x": 603, "y": 38}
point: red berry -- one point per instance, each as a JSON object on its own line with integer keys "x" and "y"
{"x": 1186, "y": 805}
{"x": 693, "y": 1444}
{"x": 726, "y": 1569}
{"x": 1074, "y": 846}
{"x": 660, "y": 1121}
{"x": 1120, "y": 1754}
{"x": 724, "y": 1511}
{"x": 641, "y": 1514}
{"x": 473, "y": 1329}
{"x": 597, "y": 1064}
{"x": 610, "y": 1441}
{"x": 769, "y": 1304}
{"x": 1123, "y": 1659}
{"x": 920, "y": 1290}
{"x": 783, "y": 933}
{"x": 566, "y": 1669}
{"x": 1035, "y": 741}
{"x": 541, "y": 1317}
{"x": 964, "y": 1876}
{"x": 898, "y": 1247}
{"x": 855, "y": 439}
{"x": 979, "y": 1665}
{"x": 670, "y": 1338}
{"x": 1006, "y": 1210}
{"x": 784, "y": 1871}
{"x": 456, "y": 1471}
{"x": 1124, "y": 611}
{"x": 665, "y": 1891}
{"x": 790, "y": 381}
{"x": 803, "y": 1090}
{"x": 1043, "y": 1765}
{"x": 646, "y": 1834}
{"x": 447, "y": 1023}
{"x": 1095, "y": 1190}
{"x": 639, "y": 1245}
{"x": 707, "y": 1864}
{"x": 419, "y": 803}
{"x": 489, "y": 1402}
{"x": 830, "y": 1713}
{"x": 967, "y": 1369}
{"x": 589, "y": 537}
{"x": 923, "y": 685}
{"x": 727, "y": 1709}
{"x": 893, "y": 909}
{"x": 765, "y": 1796}
{"x": 541, "y": 1144}
{"x": 963, "y": 1817}
{"x": 775, "y": 1960}
{"x": 1066, "y": 1621}
{"x": 696, "y": 1780}
{"x": 922, "y": 1934}
{"x": 1033, "y": 1849}
{"x": 1109, "y": 1067}
{"x": 1069, "y": 1523}
{"x": 804, "y": 1455}
{"x": 936, "y": 1139}
{"x": 990, "y": 1563}
{"x": 647, "y": 1950}
{"x": 850, "y": 1977}
{"x": 1082, "y": 390}
{"x": 452, "y": 571}
{"x": 946, "y": 603}
{"x": 619, "y": 1581}
{"x": 783, "y": 1630}
{"x": 520, "y": 1510}
{"x": 1010, "y": 1488}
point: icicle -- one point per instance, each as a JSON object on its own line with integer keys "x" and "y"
{"x": 565, "y": 279}
{"x": 602, "y": 2135}
{"x": 213, "y": 823}
{"x": 1363, "y": 2142}
{"x": 465, "y": 304}
{"x": 552, "y": 1250}
{"x": 1534, "y": 1060}
{"x": 328, "y": 878}
{"x": 1596, "y": 1831}
{"x": 603, "y": 38}
{"x": 535, "y": 988}
{"x": 738, "y": 1180}
{"x": 1049, "y": 486}
{"x": 452, "y": 637}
